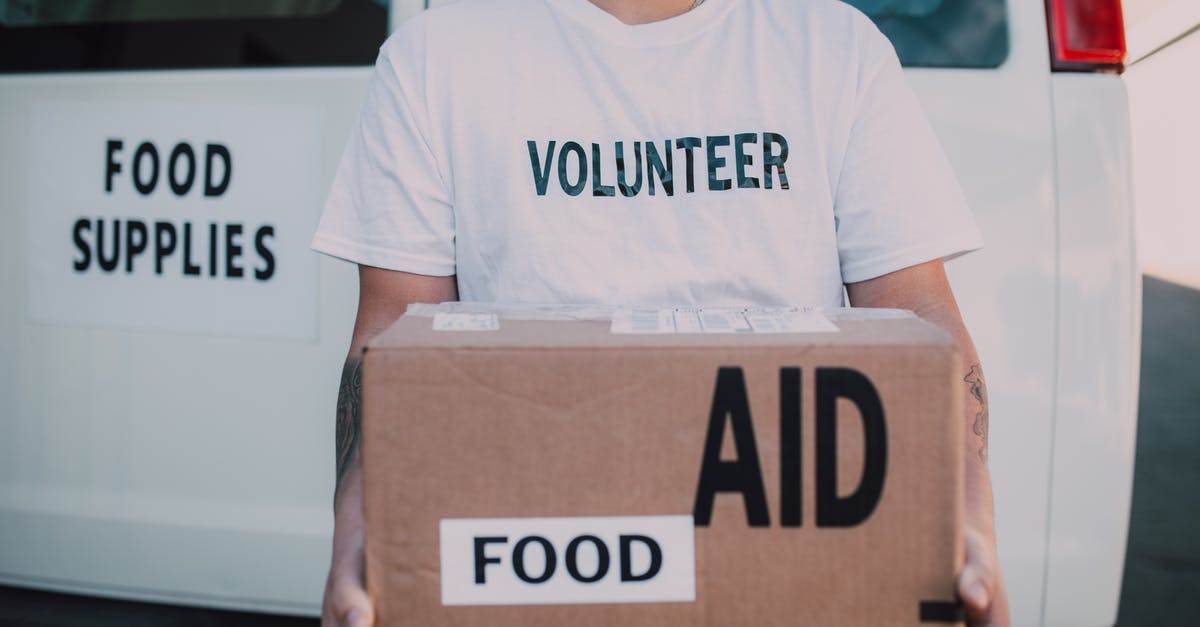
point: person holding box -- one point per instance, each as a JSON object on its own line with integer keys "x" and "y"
{"x": 656, "y": 152}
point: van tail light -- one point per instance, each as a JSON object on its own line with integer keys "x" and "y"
{"x": 1086, "y": 35}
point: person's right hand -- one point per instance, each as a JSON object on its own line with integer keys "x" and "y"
{"x": 346, "y": 603}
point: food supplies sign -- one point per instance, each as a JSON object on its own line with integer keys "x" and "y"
{"x": 180, "y": 217}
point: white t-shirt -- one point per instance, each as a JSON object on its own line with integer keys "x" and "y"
{"x": 745, "y": 152}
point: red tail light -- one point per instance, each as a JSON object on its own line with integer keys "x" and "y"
{"x": 1086, "y": 35}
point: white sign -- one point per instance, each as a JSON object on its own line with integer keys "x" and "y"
{"x": 181, "y": 217}
{"x": 545, "y": 561}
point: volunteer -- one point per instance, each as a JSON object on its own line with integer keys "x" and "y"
{"x": 652, "y": 152}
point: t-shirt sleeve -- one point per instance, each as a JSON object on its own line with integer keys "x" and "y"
{"x": 389, "y": 206}
{"x": 897, "y": 202}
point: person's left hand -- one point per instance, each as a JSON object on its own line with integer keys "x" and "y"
{"x": 980, "y": 585}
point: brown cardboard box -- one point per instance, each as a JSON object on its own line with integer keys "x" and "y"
{"x": 823, "y": 472}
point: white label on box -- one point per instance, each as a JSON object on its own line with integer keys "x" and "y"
{"x": 721, "y": 320}
{"x": 550, "y": 561}
{"x": 443, "y": 321}
{"x": 553, "y": 312}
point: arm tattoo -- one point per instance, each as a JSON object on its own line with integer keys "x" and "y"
{"x": 978, "y": 389}
{"x": 349, "y": 417}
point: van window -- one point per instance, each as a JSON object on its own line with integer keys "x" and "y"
{"x": 73, "y": 35}
{"x": 943, "y": 33}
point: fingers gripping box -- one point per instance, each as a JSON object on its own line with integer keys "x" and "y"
{"x": 559, "y": 472}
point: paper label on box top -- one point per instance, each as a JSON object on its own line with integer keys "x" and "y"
{"x": 465, "y": 322}
{"x": 553, "y": 561}
{"x": 721, "y": 320}
{"x": 517, "y": 311}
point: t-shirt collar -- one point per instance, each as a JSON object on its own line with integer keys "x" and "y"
{"x": 663, "y": 32}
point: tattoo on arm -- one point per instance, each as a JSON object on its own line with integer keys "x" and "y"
{"x": 978, "y": 390}
{"x": 349, "y": 416}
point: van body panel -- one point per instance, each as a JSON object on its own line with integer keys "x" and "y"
{"x": 166, "y": 465}
{"x": 1007, "y": 290}
{"x": 1099, "y": 340}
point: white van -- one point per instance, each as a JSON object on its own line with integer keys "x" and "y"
{"x": 171, "y": 349}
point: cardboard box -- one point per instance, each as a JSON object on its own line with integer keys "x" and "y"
{"x": 549, "y": 473}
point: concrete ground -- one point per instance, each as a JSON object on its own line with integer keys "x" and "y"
{"x": 1162, "y": 566}
{"x": 29, "y": 608}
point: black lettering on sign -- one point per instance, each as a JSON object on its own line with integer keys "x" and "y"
{"x": 212, "y": 249}
{"x": 108, "y": 264}
{"x": 146, "y": 149}
{"x": 164, "y": 244}
{"x": 180, "y": 171}
{"x": 518, "y": 559}
{"x": 182, "y": 149}
{"x": 189, "y": 267}
{"x": 260, "y": 246}
{"x": 481, "y": 558}
{"x": 851, "y": 510}
{"x": 132, "y": 237}
{"x": 741, "y": 475}
{"x": 111, "y": 167}
{"x": 82, "y": 226}
{"x": 789, "y": 447}
{"x": 602, "y": 559}
{"x": 602, "y": 563}
{"x": 121, "y": 242}
{"x": 656, "y": 557}
{"x": 233, "y": 250}
{"x": 136, "y": 237}
{"x": 211, "y": 152}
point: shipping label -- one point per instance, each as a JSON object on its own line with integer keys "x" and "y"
{"x": 668, "y": 320}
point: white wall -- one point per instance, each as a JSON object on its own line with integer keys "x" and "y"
{"x": 1164, "y": 95}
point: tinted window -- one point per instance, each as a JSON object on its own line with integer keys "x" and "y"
{"x": 943, "y": 33}
{"x": 69, "y": 35}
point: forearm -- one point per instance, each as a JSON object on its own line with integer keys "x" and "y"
{"x": 347, "y": 496}
{"x": 348, "y": 436}
{"x": 383, "y": 295}
{"x": 925, "y": 291}
{"x": 975, "y": 420}
{"x": 975, "y": 449}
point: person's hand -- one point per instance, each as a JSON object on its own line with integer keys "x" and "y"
{"x": 980, "y": 585}
{"x": 346, "y": 603}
